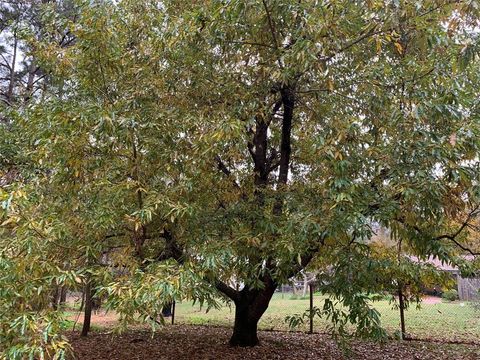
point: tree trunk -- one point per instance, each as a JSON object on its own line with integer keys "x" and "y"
{"x": 32, "y": 69}
{"x": 11, "y": 85}
{"x": 245, "y": 328}
{"x": 305, "y": 285}
{"x": 88, "y": 308}
{"x": 249, "y": 308}
{"x": 63, "y": 295}
{"x": 294, "y": 288}
{"x": 55, "y": 297}
{"x": 59, "y": 296}
{"x": 167, "y": 310}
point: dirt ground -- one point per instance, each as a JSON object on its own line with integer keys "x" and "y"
{"x": 200, "y": 342}
{"x": 430, "y": 300}
{"x": 100, "y": 318}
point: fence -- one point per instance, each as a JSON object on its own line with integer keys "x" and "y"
{"x": 468, "y": 289}
{"x": 437, "y": 319}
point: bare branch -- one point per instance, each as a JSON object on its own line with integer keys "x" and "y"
{"x": 353, "y": 43}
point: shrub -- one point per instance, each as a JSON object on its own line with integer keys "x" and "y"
{"x": 384, "y": 296}
{"x": 299, "y": 297}
{"x": 450, "y": 295}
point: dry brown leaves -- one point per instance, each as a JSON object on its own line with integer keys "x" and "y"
{"x": 200, "y": 342}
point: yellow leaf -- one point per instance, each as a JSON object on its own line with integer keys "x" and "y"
{"x": 399, "y": 47}
{"x": 8, "y": 221}
{"x": 330, "y": 84}
{"x": 378, "y": 43}
{"x": 453, "y": 139}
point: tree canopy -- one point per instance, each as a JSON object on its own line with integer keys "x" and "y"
{"x": 214, "y": 149}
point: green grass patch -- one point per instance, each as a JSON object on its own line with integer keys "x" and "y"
{"x": 445, "y": 320}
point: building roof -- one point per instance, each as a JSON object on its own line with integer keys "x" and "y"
{"x": 439, "y": 264}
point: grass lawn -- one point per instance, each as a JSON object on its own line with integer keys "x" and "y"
{"x": 445, "y": 320}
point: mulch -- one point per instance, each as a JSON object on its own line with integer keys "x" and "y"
{"x": 189, "y": 342}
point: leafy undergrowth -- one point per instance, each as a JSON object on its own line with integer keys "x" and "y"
{"x": 201, "y": 342}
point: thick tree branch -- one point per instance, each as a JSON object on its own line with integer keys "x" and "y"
{"x": 172, "y": 249}
{"x": 307, "y": 257}
{"x": 278, "y": 104}
{"x": 465, "y": 224}
{"x": 221, "y": 166}
{"x": 233, "y": 294}
{"x": 271, "y": 25}
{"x": 288, "y": 100}
{"x": 224, "y": 169}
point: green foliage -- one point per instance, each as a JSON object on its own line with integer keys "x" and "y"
{"x": 29, "y": 328}
{"x": 450, "y": 295}
{"x": 449, "y": 321}
{"x": 381, "y": 297}
{"x": 369, "y": 269}
{"x": 244, "y": 140}
{"x": 139, "y": 298}
{"x": 298, "y": 297}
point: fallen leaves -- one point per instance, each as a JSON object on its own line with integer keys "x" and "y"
{"x": 201, "y": 342}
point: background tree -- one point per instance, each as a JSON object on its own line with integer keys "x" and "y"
{"x": 32, "y": 273}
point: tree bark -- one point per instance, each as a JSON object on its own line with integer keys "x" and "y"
{"x": 55, "y": 297}
{"x": 288, "y": 99}
{"x": 11, "y": 84}
{"x": 88, "y": 308}
{"x": 245, "y": 327}
{"x": 63, "y": 295}
{"x": 250, "y": 305}
{"x": 32, "y": 69}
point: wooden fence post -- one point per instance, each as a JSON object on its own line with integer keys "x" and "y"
{"x": 401, "y": 304}
{"x": 311, "y": 307}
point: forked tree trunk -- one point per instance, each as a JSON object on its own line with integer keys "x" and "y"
{"x": 251, "y": 304}
{"x": 249, "y": 308}
{"x": 59, "y": 296}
